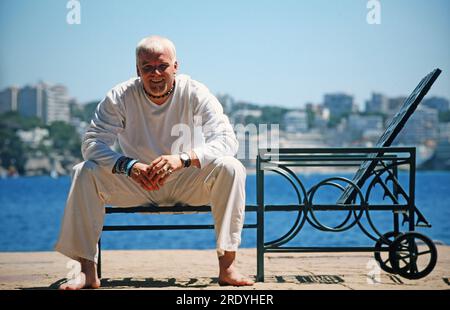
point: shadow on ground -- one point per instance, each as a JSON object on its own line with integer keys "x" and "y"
{"x": 158, "y": 283}
{"x": 140, "y": 283}
{"x": 133, "y": 283}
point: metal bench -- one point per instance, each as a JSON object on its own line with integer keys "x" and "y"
{"x": 377, "y": 166}
{"x": 154, "y": 209}
{"x": 177, "y": 209}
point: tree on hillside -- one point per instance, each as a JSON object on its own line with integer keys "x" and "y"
{"x": 88, "y": 110}
{"x": 12, "y": 150}
{"x": 65, "y": 138}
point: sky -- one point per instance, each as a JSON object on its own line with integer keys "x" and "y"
{"x": 285, "y": 53}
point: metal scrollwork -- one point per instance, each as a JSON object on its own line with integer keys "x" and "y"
{"x": 301, "y": 215}
{"x": 342, "y": 226}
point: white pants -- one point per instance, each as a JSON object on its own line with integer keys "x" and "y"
{"x": 221, "y": 184}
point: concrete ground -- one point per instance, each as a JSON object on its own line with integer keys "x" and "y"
{"x": 198, "y": 269}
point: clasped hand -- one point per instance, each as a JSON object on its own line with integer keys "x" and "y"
{"x": 154, "y": 175}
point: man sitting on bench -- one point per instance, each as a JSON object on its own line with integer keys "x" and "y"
{"x": 145, "y": 114}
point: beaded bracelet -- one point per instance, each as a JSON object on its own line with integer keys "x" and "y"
{"x": 121, "y": 164}
{"x": 130, "y": 165}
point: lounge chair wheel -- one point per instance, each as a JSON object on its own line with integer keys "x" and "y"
{"x": 383, "y": 257}
{"x": 412, "y": 255}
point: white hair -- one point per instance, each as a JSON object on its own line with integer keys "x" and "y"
{"x": 155, "y": 45}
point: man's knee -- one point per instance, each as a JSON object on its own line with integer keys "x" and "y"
{"x": 231, "y": 166}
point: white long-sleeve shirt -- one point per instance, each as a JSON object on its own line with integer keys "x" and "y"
{"x": 192, "y": 119}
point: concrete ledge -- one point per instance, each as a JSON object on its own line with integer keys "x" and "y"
{"x": 198, "y": 269}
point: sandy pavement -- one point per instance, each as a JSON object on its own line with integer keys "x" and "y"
{"x": 198, "y": 269}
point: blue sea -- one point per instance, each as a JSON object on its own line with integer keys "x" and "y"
{"x": 31, "y": 209}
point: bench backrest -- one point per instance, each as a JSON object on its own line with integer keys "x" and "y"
{"x": 391, "y": 132}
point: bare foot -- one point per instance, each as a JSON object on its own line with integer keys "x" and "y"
{"x": 86, "y": 279}
{"x": 80, "y": 283}
{"x": 232, "y": 277}
{"x": 228, "y": 275}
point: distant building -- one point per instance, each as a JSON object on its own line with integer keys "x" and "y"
{"x": 364, "y": 126}
{"x": 422, "y": 128}
{"x": 296, "y": 121}
{"x": 310, "y": 139}
{"x": 33, "y": 137}
{"x": 438, "y": 103}
{"x": 394, "y": 105}
{"x": 365, "y": 122}
{"x": 57, "y": 104}
{"x": 337, "y": 136}
{"x": 38, "y": 165}
{"x": 441, "y": 157}
{"x": 30, "y": 101}
{"x": 321, "y": 117}
{"x": 240, "y": 115}
{"x": 370, "y": 137}
{"x": 377, "y": 104}
{"x": 444, "y": 131}
{"x": 47, "y": 102}
{"x": 339, "y": 104}
{"x": 8, "y": 99}
{"x": 442, "y": 154}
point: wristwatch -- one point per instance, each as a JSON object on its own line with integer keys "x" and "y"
{"x": 185, "y": 159}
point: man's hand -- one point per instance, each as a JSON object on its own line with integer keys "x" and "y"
{"x": 162, "y": 167}
{"x": 153, "y": 176}
{"x": 139, "y": 174}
